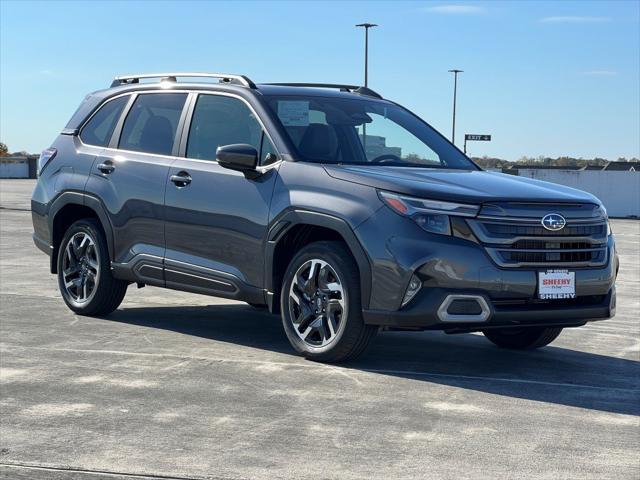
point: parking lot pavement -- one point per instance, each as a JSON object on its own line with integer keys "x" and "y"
{"x": 176, "y": 385}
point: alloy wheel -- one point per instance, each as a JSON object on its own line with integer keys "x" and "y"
{"x": 80, "y": 268}
{"x": 317, "y": 303}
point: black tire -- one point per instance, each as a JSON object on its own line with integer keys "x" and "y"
{"x": 527, "y": 338}
{"x": 352, "y": 336}
{"x": 107, "y": 292}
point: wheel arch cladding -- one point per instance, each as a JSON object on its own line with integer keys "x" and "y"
{"x": 295, "y": 229}
{"x": 69, "y": 208}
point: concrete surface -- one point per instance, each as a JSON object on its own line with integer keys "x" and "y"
{"x": 176, "y": 385}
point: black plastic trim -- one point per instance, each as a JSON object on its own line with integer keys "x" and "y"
{"x": 42, "y": 244}
{"x": 193, "y": 278}
{"x": 291, "y": 218}
{"x": 422, "y": 313}
{"x": 82, "y": 199}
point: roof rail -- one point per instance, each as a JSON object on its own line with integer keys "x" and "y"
{"x": 345, "y": 88}
{"x": 172, "y": 77}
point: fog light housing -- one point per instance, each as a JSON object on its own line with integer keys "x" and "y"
{"x": 414, "y": 287}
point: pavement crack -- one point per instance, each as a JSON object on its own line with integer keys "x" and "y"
{"x": 12, "y": 209}
{"x": 110, "y": 473}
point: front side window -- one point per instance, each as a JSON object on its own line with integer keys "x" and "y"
{"x": 359, "y": 131}
{"x": 152, "y": 122}
{"x": 268, "y": 154}
{"x": 99, "y": 128}
{"x": 219, "y": 120}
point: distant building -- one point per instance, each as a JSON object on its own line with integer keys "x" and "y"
{"x": 610, "y": 166}
{"x": 377, "y": 145}
{"x": 623, "y": 166}
{"x": 18, "y": 166}
{"x": 538, "y": 166}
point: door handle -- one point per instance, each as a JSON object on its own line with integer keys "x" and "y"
{"x": 182, "y": 179}
{"x": 106, "y": 167}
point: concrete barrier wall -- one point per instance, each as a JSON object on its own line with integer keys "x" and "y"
{"x": 618, "y": 191}
{"x": 18, "y": 167}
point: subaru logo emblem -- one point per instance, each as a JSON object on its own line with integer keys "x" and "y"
{"x": 553, "y": 222}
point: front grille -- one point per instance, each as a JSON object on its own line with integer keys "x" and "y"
{"x": 547, "y": 244}
{"x": 572, "y": 256}
{"x": 524, "y": 242}
{"x": 509, "y": 230}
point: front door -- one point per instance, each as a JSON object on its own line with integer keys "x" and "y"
{"x": 216, "y": 218}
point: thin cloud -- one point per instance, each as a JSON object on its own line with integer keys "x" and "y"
{"x": 46, "y": 71}
{"x": 600, "y": 73}
{"x": 575, "y": 19}
{"x": 456, "y": 9}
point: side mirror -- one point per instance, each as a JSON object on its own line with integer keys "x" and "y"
{"x": 239, "y": 156}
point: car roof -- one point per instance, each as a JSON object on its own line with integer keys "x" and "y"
{"x": 96, "y": 98}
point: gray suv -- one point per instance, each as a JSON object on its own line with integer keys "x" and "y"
{"x": 336, "y": 208}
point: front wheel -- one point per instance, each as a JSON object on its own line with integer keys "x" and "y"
{"x": 321, "y": 305}
{"x": 84, "y": 274}
{"x": 527, "y": 338}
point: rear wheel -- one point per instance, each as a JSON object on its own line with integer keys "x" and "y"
{"x": 84, "y": 274}
{"x": 523, "y": 338}
{"x": 321, "y": 305}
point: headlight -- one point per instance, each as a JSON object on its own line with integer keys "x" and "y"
{"x": 605, "y": 214}
{"x": 431, "y": 215}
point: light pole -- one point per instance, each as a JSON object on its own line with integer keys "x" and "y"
{"x": 366, "y": 27}
{"x": 455, "y": 91}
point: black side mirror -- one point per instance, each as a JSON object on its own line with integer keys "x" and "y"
{"x": 239, "y": 156}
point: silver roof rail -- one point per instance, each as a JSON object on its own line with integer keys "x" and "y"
{"x": 344, "y": 88}
{"x": 172, "y": 77}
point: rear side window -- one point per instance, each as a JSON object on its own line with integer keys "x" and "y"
{"x": 152, "y": 122}
{"x": 99, "y": 128}
{"x": 219, "y": 120}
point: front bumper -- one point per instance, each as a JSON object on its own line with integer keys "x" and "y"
{"x": 422, "y": 312}
{"x": 449, "y": 265}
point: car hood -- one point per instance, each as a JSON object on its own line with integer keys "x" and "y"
{"x": 466, "y": 186}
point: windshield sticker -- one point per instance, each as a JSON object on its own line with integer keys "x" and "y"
{"x": 293, "y": 113}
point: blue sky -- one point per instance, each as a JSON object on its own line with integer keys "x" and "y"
{"x": 544, "y": 78}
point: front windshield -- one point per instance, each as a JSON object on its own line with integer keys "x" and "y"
{"x": 358, "y": 131}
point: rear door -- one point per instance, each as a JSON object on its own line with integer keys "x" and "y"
{"x": 130, "y": 177}
{"x": 217, "y": 219}
{"x": 94, "y": 136}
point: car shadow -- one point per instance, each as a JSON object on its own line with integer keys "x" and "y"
{"x": 551, "y": 374}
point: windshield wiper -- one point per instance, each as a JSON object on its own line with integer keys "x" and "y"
{"x": 407, "y": 164}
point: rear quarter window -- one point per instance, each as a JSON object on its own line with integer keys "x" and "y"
{"x": 98, "y": 130}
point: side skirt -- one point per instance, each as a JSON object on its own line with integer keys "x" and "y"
{"x": 152, "y": 270}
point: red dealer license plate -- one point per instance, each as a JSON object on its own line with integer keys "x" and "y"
{"x": 556, "y": 284}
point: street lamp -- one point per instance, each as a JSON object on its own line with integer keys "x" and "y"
{"x": 455, "y": 90}
{"x": 366, "y": 27}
